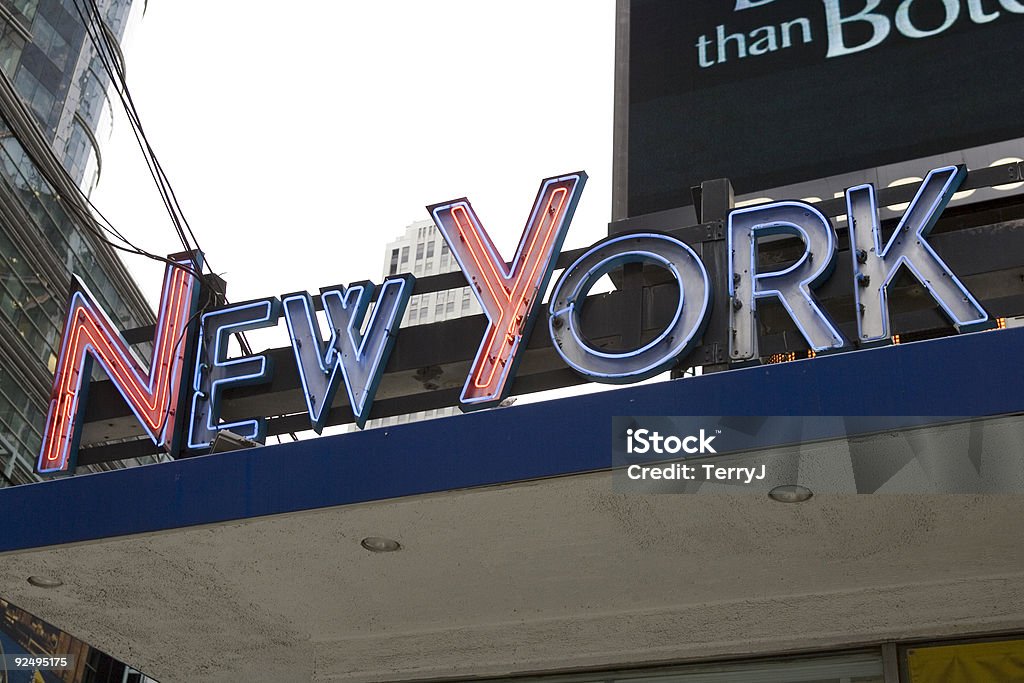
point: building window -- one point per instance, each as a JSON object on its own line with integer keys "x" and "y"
{"x": 35, "y": 94}
{"x": 51, "y": 42}
{"x": 26, "y": 7}
{"x": 405, "y": 255}
{"x": 94, "y": 98}
{"x": 419, "y": 251}
{"x": 450, "y": 307}
{"x": 78, "y": 150}
{"x": 393, "y": 268}
{"x": 430, "y": 249}
{"x": 438, "y": 310}
{"x": 11, "y": 45}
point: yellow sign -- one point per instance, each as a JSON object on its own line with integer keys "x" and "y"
{"x": 975, "y": 663}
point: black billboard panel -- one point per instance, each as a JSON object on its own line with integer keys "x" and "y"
{"x": 769, "y": 93}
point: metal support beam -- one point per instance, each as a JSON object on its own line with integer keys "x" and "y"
{"x": 717, "y": 200}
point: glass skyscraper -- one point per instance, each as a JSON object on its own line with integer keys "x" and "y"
{"x": 50, "y": 64}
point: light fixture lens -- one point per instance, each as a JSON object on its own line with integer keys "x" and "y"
{"x": 45, "y": 582}
{"x": 376, "y": 544}
{"x": 790, "y": 493}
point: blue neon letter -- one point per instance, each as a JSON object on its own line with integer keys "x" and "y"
{"x": 349, "y": 354}
{"x": 874, "y": 267}
{"x": 792, "y": 285}
{"x": 661, "y": 353}
{"x": 214, "y": 372}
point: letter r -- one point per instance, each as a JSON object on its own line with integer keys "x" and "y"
{"x": 792, "y": 286}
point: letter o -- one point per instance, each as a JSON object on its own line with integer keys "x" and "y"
{"x": 659, "y": 354}
{"x": 907, "y": 28}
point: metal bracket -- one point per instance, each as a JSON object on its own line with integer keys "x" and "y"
{"x": 714, "y": 354}
{"x": 715, "y": 230}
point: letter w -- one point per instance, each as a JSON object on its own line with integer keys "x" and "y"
{"x": 89, "y": 334}
{"x": 509, "y": 294}
{"x": 358, "y": 358}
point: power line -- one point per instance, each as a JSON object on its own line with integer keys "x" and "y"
{"x": 25, "y": 131}
{"x": 108, "y": 54}
{"x": 93, "y": 24}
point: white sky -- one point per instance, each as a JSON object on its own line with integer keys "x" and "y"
{"x": 302, "y": 137}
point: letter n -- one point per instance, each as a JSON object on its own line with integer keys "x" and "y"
{"x": 90, "y": 335}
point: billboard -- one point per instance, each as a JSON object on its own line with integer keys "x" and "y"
{"x": 772, "y": 93}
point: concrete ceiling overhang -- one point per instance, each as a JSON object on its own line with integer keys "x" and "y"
{"x": 518, "y": 555}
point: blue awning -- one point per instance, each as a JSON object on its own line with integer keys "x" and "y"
{"x": 980, "y": 374}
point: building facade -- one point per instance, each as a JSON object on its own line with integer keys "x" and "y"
{"x": 54, "y": 107}
{"x": 46, "y": 51}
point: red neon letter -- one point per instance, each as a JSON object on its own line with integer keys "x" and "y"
{"x": 90, "y": 334}
{"x": 510, "y": 295}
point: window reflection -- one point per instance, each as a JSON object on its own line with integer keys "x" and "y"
{"x": 38, "y": 98}
{"x": 11, "y": 45}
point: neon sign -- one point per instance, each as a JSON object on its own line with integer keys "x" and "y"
{"x": 362, "y": 329}
{"x": 510, "y": 295}
{"x": 348, "y": 354}
{"x": 214, "y": 372}
{"x": 687, "y": 324}
{"x": 874, "y": 266}
{"x": 90, "y": 335}
{"x": 791, "y": 286}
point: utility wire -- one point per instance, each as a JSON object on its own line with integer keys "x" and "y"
{"x": 25, "y": 131}
{"x": 109, "y": 57}
{"x": 97, "y": 35}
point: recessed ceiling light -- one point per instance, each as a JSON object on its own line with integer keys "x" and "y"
{"x": 45, "y": 582}
{"x": 376, "y": 544}
{"x": 790, "y": 493}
